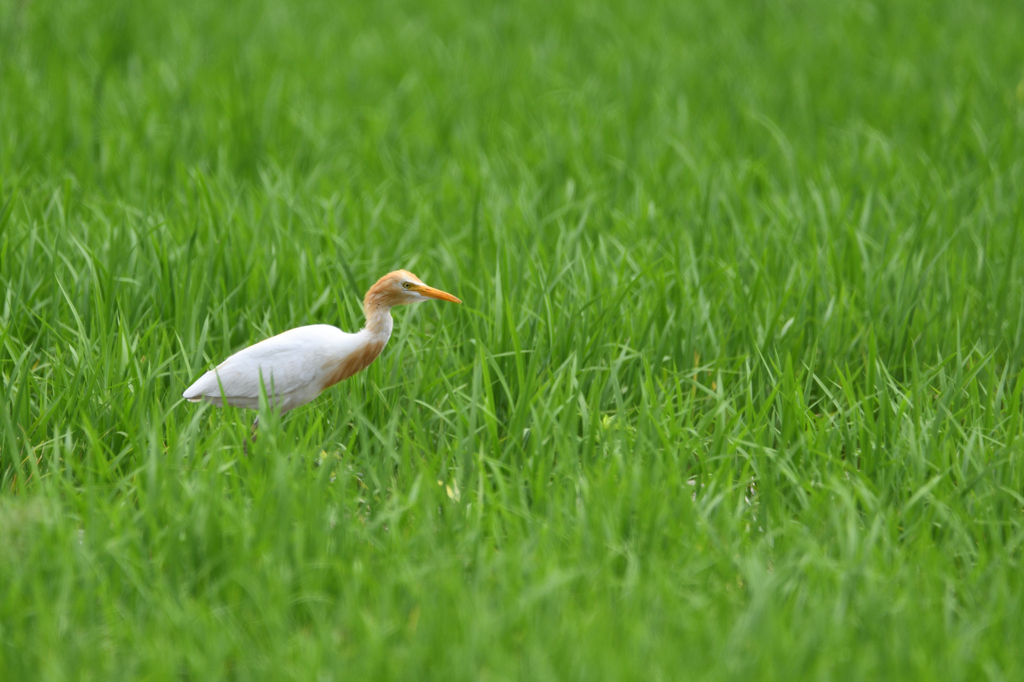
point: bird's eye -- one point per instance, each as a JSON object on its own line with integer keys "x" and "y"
{"x": 406, "y": 285}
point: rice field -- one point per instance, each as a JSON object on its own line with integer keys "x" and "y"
{"x": 736, "y": 391}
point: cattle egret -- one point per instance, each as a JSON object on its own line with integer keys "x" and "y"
{"x": 298, "y": 365}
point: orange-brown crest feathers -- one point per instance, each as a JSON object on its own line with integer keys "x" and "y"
{"x": 384, "y": 293}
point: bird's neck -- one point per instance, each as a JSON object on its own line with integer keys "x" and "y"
{"x": 378, "y": 320}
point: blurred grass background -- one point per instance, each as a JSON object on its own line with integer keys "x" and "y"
{"x": 736, "y": 391}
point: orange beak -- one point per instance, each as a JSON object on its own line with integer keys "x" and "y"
{"x": 431, "y": 292}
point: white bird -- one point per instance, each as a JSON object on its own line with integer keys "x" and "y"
{"x": 298, "y": 365}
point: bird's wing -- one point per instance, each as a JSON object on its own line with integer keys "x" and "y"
{"x": 288, "y": 363}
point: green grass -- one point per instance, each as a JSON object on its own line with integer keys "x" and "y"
{"x": 736, "y": 392}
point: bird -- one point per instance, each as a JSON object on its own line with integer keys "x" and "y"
{"x": 296, "y": 366}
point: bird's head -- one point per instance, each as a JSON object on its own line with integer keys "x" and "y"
{"x": 401, "y": 287}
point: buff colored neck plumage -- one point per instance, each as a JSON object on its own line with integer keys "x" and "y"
{"x": 378, "y": 319}
{"x": 374, "y": 335}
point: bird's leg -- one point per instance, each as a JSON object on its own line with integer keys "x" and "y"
{"x": 245, "y": 444}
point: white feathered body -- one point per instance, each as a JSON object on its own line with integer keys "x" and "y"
{"x": 295, "y": 366}
{"x": 299, "y": 364}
